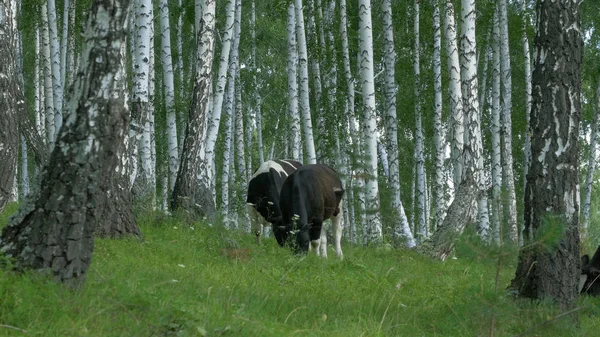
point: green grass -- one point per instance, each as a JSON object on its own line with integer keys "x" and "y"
{"x": 180, "y": 281}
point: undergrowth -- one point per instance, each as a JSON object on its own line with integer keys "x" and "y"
{"x": 198, "y": 280}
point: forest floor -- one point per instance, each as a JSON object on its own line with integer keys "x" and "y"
{"x": 197, "y": 280}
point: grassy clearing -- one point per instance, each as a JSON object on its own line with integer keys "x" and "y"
{"x": 205, "y": 281}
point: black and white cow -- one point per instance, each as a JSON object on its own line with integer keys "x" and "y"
{"x": 589, "y": 282}
{"x": 308, "y": 197}
{"x": 262, "y": 202}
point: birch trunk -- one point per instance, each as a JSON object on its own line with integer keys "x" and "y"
{"x": 552, "y": 190}
{"x": 591, "y": 164}
{"x": 438, "y": 128}
{"x": 56, "y": 239}
{"x": 454, "y": 91}
{"x": 509, "y": 179}
{"x": 169, "y": 92}
{"x": 528, "y": 88}
{"x": 239, "y": 113}
{"x": 48, "y": 89}
{"x": 421, "y": 230}
{"x": 315, "y": 58}
{"x": 57, "y": 90}
{"x": 213, "y": 127}
{"x": 192, "y": 191}
{"x": 70, "y": 70}
{"x": 228, "y": 122}
{"x": 38, "y": 88}
{"x": 496, "y": 146}
{"x": 63, "y": 43}
{"x": 374, "y": 229}
{"x": 180, "y": 78}
{"x": 303, "y": 92}
{"x": 292, "y": 69}
{"x": 473, "y": 143}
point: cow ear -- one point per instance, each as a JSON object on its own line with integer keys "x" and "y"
{"x": 585, "y": 260}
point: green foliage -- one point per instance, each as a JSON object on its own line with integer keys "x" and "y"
{"x": 196, "y": 280}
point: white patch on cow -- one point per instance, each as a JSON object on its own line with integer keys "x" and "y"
{"x": 338, "y": 228}
{"x": 323, "y": 245}
{"x": 257, "y": 222}
{"x": 314, "y": 246}
{"x": 582, "y": 279}
{"x": 271, "y": 164}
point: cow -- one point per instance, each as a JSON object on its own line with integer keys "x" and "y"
{"x": 309, "y": 196}
{"x": 262, "y": 202}
{"x": 589, "y": 281}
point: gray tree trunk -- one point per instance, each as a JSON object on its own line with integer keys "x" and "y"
{"x": 548, "y": 270}
{"x": 190, "y": 193}
{"x": 53, "y": 231}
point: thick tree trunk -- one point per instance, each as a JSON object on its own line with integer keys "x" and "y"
{"x": 192, "y": 191}
{"x": 53, "y": 231}
{"x": 55, "y": 68}
{"x": 549, "y": 270}
{"x": 47, "y": 74}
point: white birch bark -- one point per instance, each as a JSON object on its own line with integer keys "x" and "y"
{"x": 528, "y": 90}
{"x": 232, "y": 218}
{"x": 473, "y": 142}
{"x": 591, "y": 165}
{"x": 401, "y": 228}
{"x": 303, "y": 87}
{"x": 213, "y": 127}
{"x": 228, "y": 122}
{"x": 70, "y": 70}
{"x": 421, "y": 230}
{"x": 315, "y": 65}
{"x": 353, "y": 151}
{"x": 292, "y": 69}
{"x": 48, "y": 88}
{"x": 38, "y": 89}
{"x": 383, "y": 159}
{"x": 496, "y": 150}
{"x": 240, "y": 150}
{"x": 454, "y": 91}
{"x": 169, "y": 92}
{"x": 509, "y": 179}
{"x": 365, "y": 31}
{"x": 57, "y": 90}
{"x": 438, "y": 129}
{"x": 180, "y": 77}
{"x": 24, "y": 171}
{"x": 63, "y": 43}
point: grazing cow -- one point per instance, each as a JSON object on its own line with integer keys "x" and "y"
{"x": 308, "y": 197}
{"x": 589, "y": 282}
{"x": 262, "y": 202}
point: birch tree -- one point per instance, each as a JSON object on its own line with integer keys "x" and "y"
{"x": 473, "y": 143}
{"x": 303, "y": 87}
{"x": 192, "y": 191}
{"x": 292, "y": 70}
{"x": 314, "y": 55}
{"x": 507, "y": 166}
{"x": 57, "y": 89}
{"x": 421, "y": 229}
{"x": 365, "y": 26}
{"x": 495, "y": 138}
{"x": 527, "y": 68}
{"x": 349, "y": 111}
{"x": 48, "y": 88}
{"x": 169, "y": 91}
{"x": 591, "y": 163}
{"x": 551, "y": 193}
{"x": 9, "y": 135}
{"x": 64, "y": 43}
{"x": 58, "y": 240}
{"x": 438, "y": 128}
{"x": 454, "y": 91}
{"x": 213, "y": 127}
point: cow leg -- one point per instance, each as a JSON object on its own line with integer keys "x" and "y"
{"x": 255, "y": 221}
{"x": 337, "y": 228}
{"x": 314, "y": 232}
{"x": 323, "y": 244}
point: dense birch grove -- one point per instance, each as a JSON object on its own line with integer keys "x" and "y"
{"x": 421, "y": 106}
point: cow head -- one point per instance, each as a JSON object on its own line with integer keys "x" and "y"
{"x": 589, "y": 281}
